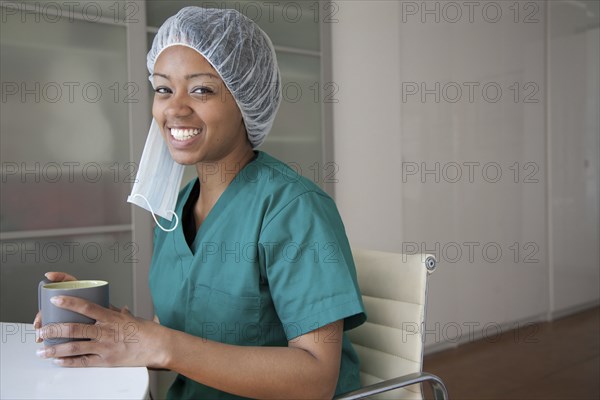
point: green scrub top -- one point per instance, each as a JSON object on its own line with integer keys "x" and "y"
{"x": 270, "y": 262}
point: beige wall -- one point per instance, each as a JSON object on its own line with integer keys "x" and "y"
{"x": 515, "y": 247}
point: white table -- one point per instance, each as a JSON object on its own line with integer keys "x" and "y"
{"x": 23, "y": 375}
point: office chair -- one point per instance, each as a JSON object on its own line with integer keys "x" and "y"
{"x": 390, "y": 343}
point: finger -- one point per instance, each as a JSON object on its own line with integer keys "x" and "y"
{"x": 59, "y": 276}
{"x": 37, "y": 321}
{"x": 37, "y": 324}
{"x": 70, "y": 349}
{"x": 71, "y": 331}
{"x": 84, "y": 361}
{"x": 81, "y": 306}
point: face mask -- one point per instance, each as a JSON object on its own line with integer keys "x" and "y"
{"x": 158, "y": 179}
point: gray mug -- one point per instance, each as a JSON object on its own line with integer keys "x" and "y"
{"x": 93, "y": 290}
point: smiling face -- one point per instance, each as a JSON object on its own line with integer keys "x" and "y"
{"x": 198, "y": 117}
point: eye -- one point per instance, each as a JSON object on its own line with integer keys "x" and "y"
{"x": 162, "y": 90}
{"x": 203, "y": 90}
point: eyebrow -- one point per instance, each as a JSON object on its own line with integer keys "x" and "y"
{"x": 189, "y": 76}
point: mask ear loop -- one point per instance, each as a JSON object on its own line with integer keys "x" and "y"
{"x": 153, "y": 216}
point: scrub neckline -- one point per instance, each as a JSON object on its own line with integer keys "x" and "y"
{"x": 179, "y": 237}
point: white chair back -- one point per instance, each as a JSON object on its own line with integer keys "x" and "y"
{"x": 394, "y": 291}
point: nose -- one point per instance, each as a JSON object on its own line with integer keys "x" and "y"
{"x": 178, "y": 106}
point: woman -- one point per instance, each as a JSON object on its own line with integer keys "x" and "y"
{"x": 255, "y": 286}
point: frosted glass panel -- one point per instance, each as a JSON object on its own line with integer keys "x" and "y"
{"x": 288, "y": 23}
{"x": 296, "y": 134}
{"x": 64, "y": 125}
{"x": 24, "y": 262}
{"x": 27, "y": 205}
{"x": 112, "y": 11}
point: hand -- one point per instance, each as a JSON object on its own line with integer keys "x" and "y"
{"x": 116, "y": 339}
{"x": 54, "y": 277}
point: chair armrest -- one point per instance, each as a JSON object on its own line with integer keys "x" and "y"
{"x": 438, "y": 387}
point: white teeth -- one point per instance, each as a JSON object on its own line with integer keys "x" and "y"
{"x": 184, "y": 134}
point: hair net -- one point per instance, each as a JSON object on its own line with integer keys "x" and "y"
{"x": 239, "y": 51}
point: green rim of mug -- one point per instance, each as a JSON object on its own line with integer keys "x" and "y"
{"x": 74, "y": 285}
